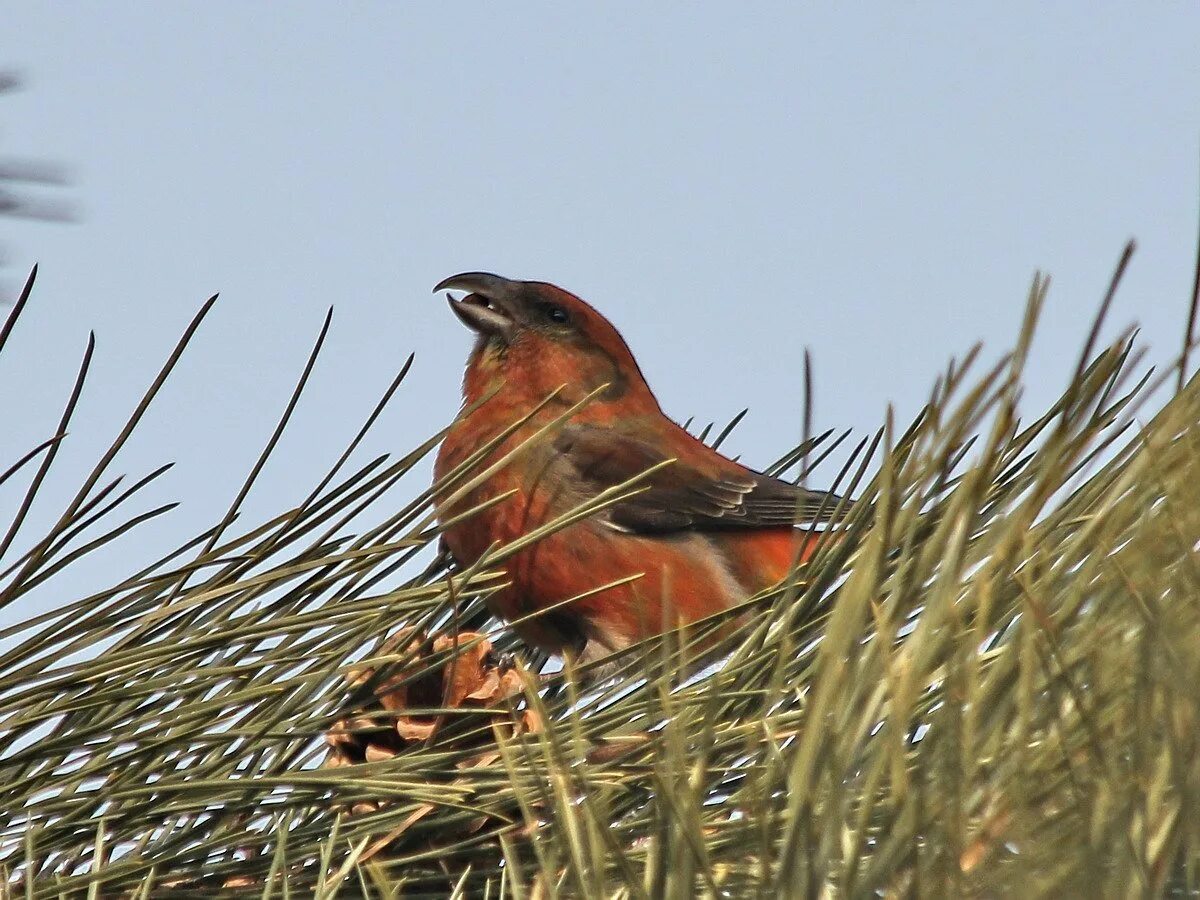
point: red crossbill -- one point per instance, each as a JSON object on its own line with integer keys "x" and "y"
{"x": 704, "y": 533}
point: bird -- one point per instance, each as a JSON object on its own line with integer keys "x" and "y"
{"x": 701, "y": 533}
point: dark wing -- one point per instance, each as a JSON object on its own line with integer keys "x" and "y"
{"x": 706, "y": 492}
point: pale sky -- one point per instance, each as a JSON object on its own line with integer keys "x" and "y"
{"x": 729, "y": 184}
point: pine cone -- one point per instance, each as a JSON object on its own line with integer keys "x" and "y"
{"x": 471, "y": 678}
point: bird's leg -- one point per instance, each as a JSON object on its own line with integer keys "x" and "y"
{"x": 561, "y": 633}
{"x": 557, "y": 632}
{"x": 445, "y": 558}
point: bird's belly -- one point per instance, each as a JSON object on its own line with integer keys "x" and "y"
{"x": 621, "y": 587}
{"x": 762, "y": 557}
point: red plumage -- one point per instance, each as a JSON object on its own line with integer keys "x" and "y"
{"x": 703, "y": 534}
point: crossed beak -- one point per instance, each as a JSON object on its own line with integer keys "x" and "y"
{"x": 488, "y": 307}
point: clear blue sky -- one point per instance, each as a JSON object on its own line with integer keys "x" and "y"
{"x": 729, "y": 185}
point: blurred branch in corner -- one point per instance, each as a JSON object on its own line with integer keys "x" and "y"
{"x": 28, "y": 189}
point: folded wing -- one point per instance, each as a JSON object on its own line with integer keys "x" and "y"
{"x": 700, "y": 490}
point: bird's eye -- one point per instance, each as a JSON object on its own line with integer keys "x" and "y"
{"x": 555, "y": 314}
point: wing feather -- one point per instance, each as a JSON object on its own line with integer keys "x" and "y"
{"x": 707, "y": 492}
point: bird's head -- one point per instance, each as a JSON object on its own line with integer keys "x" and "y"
{"x": 534, "y": 338}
